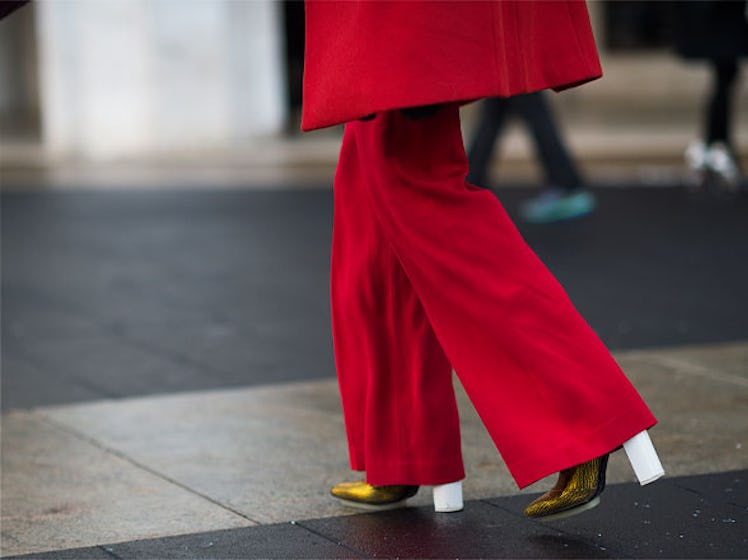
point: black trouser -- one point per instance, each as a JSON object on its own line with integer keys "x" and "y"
{"x": 534, "y": 110}
{"x": 720, "y": 104}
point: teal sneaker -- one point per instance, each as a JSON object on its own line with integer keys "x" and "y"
{"x": 556, "y": 205}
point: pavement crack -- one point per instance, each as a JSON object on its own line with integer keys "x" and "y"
{"x": 93, "y": 441}
{"x": 691, "y": 490}
{"x": 709, "y": 499}
{"x": 690, "y": 368}
{"x": 109, "y": 552}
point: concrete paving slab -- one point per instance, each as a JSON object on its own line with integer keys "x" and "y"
{"x": 61, "y": 491}
{"x": 270, "y": 453}
{"x": 727, "y": 363}
{"x": 665, "y": 520}
{"x": 703, "y": 422}
{"x": 234, "y": 446}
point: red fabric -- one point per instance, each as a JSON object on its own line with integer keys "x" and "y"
{"x": 368, "y": 56}
{"x": 429, "y": 271}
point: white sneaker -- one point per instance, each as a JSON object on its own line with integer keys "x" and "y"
{"x": 721, "y": 163}
{"x": 696, "y": 156}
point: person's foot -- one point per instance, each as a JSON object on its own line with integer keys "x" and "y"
{"x": 577, "y": 490}
{"x": 556, "y": 205}
{"x": 362, "y": 495}
{"x": 713, "y": 168}
{"x": 696, "y": 159}
{"x": 721, "y": 166}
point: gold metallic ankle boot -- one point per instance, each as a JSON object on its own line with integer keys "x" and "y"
{"x": 577, "y": 489}
{"x": 365, "y": 496}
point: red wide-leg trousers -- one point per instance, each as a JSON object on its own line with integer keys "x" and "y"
{"x": 429, "y": 273}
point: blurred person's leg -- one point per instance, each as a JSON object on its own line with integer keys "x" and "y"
{"x": 713, "y": 161}
{"x": 565, "y": 196}
{"x": 493, "y": 114}
{"x": 718, "y": 125}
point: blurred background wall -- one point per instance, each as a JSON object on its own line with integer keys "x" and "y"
{"x": 101, "y": 80}
{"x": 121, "y": 77}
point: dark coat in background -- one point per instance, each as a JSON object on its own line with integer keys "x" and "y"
{"x": 8, "y": 6}
{"x": 716, "y": 29}
{"x": 365, "y": 56}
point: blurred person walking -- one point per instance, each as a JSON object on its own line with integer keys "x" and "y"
{"x": 565, "y": 196}
{"x": 715, "y": 31}
{"x": 428, "y": 273}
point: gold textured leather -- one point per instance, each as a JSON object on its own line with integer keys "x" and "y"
{"x": 364, "y": 495}
{"x": 575, "y": 491}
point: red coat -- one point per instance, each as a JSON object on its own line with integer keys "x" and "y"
{"x": 364, "y": 56}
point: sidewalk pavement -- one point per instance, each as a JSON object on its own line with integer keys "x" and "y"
{"x": 255, "y": 464}
{"x": 168, "y": 383}
{"x": 688, "y": 517}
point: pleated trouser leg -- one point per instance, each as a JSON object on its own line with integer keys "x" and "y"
{"x": 432, "y": 263}
{"x": 395, "y": 381}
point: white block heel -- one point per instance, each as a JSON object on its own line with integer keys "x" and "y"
{"x": 448, "y": 497}
{"x": 643, "y": 458}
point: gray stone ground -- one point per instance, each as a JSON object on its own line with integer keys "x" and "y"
{"x": 168, "y": 381}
